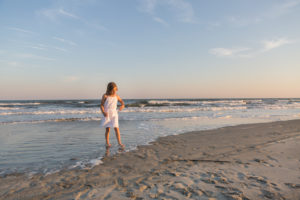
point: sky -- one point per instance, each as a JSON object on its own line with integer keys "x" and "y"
{"x": 71, "y": 49}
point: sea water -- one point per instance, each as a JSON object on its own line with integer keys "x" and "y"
{"x": 45, "y": 136}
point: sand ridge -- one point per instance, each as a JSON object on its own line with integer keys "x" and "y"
{"x": 253, "y": 161}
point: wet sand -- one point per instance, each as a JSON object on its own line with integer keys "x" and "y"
{"x": 253, "y": 161}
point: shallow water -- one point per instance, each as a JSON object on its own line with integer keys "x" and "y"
{"x": 46, "y": 136}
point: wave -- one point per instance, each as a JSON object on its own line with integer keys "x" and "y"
{"x": 87, "y": 164}
{"x": 158, "y": 109}
{"x": 55, "y": 112}
{"x": 9, "y": 108}
{"x": 20, "y": 104}
{"x": 182, "y": 109}
{"x": 126, "y": 110}
{"x": 149, "y": 103}
{"x": 209, "y": 102}
{"x": 87, "y": 119}
{"x": 166, "y": 103}
{"x": 53, "y": 120}
{"x": 193, "y": 118}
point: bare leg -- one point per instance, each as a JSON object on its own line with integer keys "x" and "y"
{"x": 107, "y": 136}
{"x": 117, "y": 131}
{"x": 107, "y": 151}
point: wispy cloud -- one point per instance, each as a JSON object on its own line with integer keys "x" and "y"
{"x": 44, "y": 47}
{"x": 54, "y": 14}
{"x": 266, "y": 45}
{"x": 71, "y": 78}
{"x": 275, "y": 43}
{"x": 65, "y": 41}
{"x": 36, "y": 47}
{"x": 33, "y": 56}
{"x": 13, "y": 63}
{"x": 148, "y": 6}
{"x": 274, "y": 11}
{"x": 10, "y": 63}
{"x": 67, "y": 14}
{"x": 20, "y": 30}
{"x": 57, "y": 13}
{"x": 240, "y": 21}
{"x": 183, "y": 10}
{"x": 60, "y": 49}
{"x": 278, "y": 10}
{"x": 94, "y": 25}
{"x": 161, "y": 21}
{"x": 229, "y": 52}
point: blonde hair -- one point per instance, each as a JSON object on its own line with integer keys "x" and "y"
{"x": 110, "y": 87}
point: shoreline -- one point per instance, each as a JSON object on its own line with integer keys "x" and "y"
{"x": 168, "y": 166}
{"x": 88, "y": 163}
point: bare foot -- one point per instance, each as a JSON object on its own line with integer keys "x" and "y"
{"x": 108, "y": 145}
{"x": 122, "y": 145}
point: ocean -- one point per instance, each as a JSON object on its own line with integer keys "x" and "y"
{"x": 45, "y": 136}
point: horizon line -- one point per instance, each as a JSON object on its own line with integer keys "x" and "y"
{"x": 202, "y": 98}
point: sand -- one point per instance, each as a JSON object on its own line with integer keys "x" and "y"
{"x": 253, "y": 161}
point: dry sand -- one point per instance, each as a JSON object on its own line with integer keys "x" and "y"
{"x": 254, "y": 161}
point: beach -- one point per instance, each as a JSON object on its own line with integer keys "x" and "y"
{"x": 149, "y": 99}
{"x": 250, "y": 161}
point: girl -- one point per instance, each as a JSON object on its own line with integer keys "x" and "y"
{"x": 109, "y": 109}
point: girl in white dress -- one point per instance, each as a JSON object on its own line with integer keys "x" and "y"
{"x": 109, "y": 109}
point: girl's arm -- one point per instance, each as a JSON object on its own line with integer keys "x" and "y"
{"x": 102, "y": 105}
{"x": 122, "y": 103}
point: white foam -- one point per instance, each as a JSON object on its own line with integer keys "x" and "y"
{"x": 173, "y": 102}
{"x": 87, "y": 164}
{"x": 181, "y": 109}
{"x": 18, "y": 104}
{"x": 9, "y": 108}
{"x": 55, "y": 112}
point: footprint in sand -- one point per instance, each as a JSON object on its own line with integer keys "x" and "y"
{"x": 241, "y": 176}
{"x": 293, "y": 185}
{"x": 258, "y": 179}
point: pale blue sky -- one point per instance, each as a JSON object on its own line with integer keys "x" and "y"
{"x": 57, "y": 49}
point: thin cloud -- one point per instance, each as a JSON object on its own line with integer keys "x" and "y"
{"x": 267, "y": 45}
{"x": 36, "y": 47}
{"x": 239, "y": 21}
{"x": 20, "y": 30}
{"x": 32, "y": 56}
{"x": 71, "y": 78}
{"x": 278, "y": 10}
{"x": 47, "y": 47}
{"x": 13, "y": 63}
{"x": 273, "y": 12}
{"x": 65, "y": 41}
{"x": 94, "y": 25}
{"x": 10, "y": 63}
{"x": 183, "y": 10}
{"x": 148, "y": 6}
{"x": 272, "y": 44}
{"x": 65, "y": 13}
{"x": 54, "y": 14}
{"x": 227, "y": 52}
{"x": 44, "y": 47}
{"x": 161, "y": 21}
{"x": 60, "y": 49}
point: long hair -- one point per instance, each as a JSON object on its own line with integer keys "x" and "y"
{"x": 110, "y": 87}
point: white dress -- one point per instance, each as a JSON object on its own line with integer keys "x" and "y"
{"x": 110, "y": 107}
